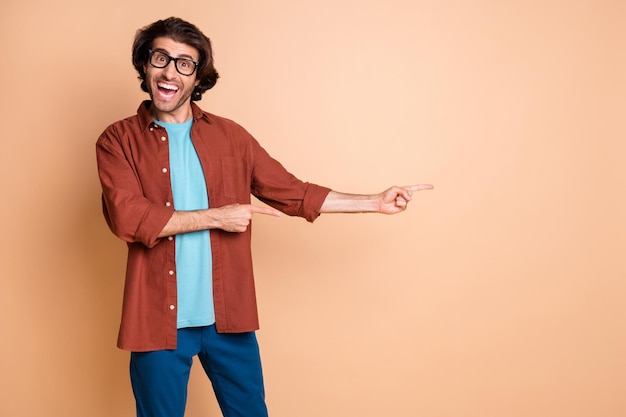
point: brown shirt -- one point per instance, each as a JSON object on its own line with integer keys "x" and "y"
{"x": 133, "y": 165}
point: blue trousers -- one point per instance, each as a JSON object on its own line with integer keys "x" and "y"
{"x": 230, "y": 360}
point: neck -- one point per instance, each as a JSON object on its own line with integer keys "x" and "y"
{"x": 180, "y": 115}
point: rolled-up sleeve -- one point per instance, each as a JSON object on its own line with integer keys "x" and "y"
{"x": 278, "y": 188}
{"x": 129, "y": 212}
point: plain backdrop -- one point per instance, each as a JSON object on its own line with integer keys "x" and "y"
{"x": 498, "y": 294}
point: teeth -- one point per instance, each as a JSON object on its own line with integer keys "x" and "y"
{"x": 168, "y": 87}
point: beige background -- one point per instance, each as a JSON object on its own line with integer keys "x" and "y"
{"x": 498, "y": 294}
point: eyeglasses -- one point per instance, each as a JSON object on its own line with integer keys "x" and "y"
{"x": 184, "y": 66}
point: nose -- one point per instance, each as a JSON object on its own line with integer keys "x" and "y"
{"x": 170, "y": 69}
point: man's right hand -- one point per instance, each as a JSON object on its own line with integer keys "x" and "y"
{"x": 232, "y": 218}
{"x": 236, "y": 217}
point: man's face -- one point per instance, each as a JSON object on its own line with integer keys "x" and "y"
{"x": 169, "y": 90}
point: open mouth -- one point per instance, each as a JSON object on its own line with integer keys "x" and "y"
{"x": 167, "y": 90}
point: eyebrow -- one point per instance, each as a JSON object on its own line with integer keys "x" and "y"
{"x": 184, "y": 56}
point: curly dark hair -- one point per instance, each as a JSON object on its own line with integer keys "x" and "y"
{"x": 179, "y": 31}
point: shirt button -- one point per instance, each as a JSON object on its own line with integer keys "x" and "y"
{"x": 172, "y": 307}
{"x": 164, "y": 170}
{"x": 171, "y": 272}
{"x": 170, "y": 238}
{"x": 163, "y": 138}
{"x": 167, "y": 204}
{"x": 151, "y": 129}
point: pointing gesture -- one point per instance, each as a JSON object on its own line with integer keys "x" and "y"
{"x": 237, "y": 217}
{"x": 396, "y": 199}
{"x": 231, "y": 218}
{"x": 391, "y": 201}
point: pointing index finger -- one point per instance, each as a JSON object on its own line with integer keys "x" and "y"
{"x": 265, "y": 210}
{"x": 419, "y": 187}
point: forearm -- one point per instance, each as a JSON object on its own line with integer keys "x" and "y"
{"x": 337, "y": 202}
{"x": 391, "y": 201}
{"x": 187, "y": 222}
{"x": 232, "y": 218}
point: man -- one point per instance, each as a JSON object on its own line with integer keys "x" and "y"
{"x": 177, "y": 185}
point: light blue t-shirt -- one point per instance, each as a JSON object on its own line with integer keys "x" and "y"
{"x": 193, "y": 250}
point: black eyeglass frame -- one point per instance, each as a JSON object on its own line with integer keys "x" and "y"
{"x": 171, "y": 58}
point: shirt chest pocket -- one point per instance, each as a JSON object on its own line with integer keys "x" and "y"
{"x": 235, "y": 179}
